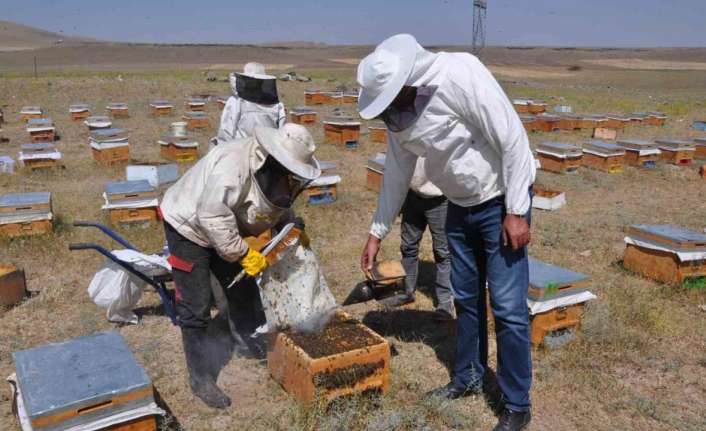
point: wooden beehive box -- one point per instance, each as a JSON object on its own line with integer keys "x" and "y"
{"x": 547, "y": 122}
{"x": 530, "y": 123}
{"x": 657, "y": 119}
{"x": 557, "y": 319}
{"x": 521, "y": 105}
{"x": 118, "y": 110}
{"x": 700, "y": 148}
{"x": 604, "y": 133}
{"x": 80, "y": 381}
{"x": 179, "y": 148}
{"x": 221, "y": 101}
{"x": 676, "y": 152}
{"x": 616, "y": 121}
{"x": 303, "y": 115}
{"x": 2, "y": 117}
{"x": 342, "y": 130}
{"x": 98, "y": 122}
{"x": 559, "y": 157}
{"x": 345, "y": 358}
{"x": 537, "y": 107}
{"x": 25, "y": 214}
{"x": 110, "y": 146}
{"x": 547, "y": 199}
{"x": 593, "y": 121}
{"x": 639, "y": 153}
{"x": 41, "y": 129}
{"x": 130, "y": 202}
{"x": 378, "y": 132}
{"x": 196, "y": 120}
{"x": 666, "y": 253}
{"x": 29, "y": 112}
{"x": 323, "y": 190}
{"x": 79, "y": 111}
{"x": 375, "y": 171}
{"x": 603, "y": 156}
{"x": 333, "y": 97}
{"x": 156, "y": 173}
{"x": 568, "y": 122}
{"x": 40, "y": 155}
{"x": 196, "y": 104}
{"x": 13, "y": 286}
{"x": 314, "y": 97}
{"x": 350, "y": 97}
{"x": 639, "y": 118}
{"x": 161, "y": 108}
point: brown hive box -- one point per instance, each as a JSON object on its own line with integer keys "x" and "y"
{"x": 700, "y": 146}
{"x": 110, "y": 146}
{"x": 25, "y": 214}
{"x": 521, "y": 105}
{"x": 378, "y": 132}
{"x": 196, "y": 120}
{"x": 639, "y": 153}
{"x": 543, "y": 324}
{"x": 559, "y": 157}
{"x": 604, "y": 156}
{"x": 568, "y": 122}
{"x": 345, "y": 358}
{"x": 616, "y": 121}
{"x": 79, "y": 111}
{"x": 221, "y": 101}
{"x": 39, "y": 155}
{"x": 118, "y": 110}
{"x": 161, "y": 108}
{"x": 333, "y": 97}
{"x": 342, "y": 130}
{"x": 29, "y": 112}
{"x": 196, "y": 104}
{"x": 657, "y": 119}
{"x": 120, "y": 195}
{"x": 323, "y": 190}
{"x": 375, "y": 171}
{"x": 605, "y": 133}
{"x": 179, "y": 148}
{"x": 537, "y": 107}
{"x": 350, "y": 97}
{"x": 314, "y": 97}
{"x": 677, "y": 152}
{"x": 639, "y": 118}
{"x": 303, "y": 115}
{"x": 530, "y": 123}
{"x": 593, "y": 121}
{"x": 664, "y": 264}
{"x": 13, "y": 287}
{"x": 547, "y": 122}
{"x": 41, "y": 129}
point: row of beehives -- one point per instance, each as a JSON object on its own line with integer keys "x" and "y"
{"x": 552, "y": 123}
{"x": 314, "y": 97}
{"x": 560, "y": 157}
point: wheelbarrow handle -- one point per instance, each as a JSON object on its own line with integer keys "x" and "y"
{"x": 106, "y": 230}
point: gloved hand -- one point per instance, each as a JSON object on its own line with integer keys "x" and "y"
{"x": 253, "y": 263}
{"x": 304, "y": 239}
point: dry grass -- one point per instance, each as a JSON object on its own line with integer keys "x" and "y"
{"x": 639, "y": 364}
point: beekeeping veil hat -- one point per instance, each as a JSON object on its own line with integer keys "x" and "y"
{"x": 255, "y": 70}
{"x": 255, "y": 85}
{"x": 293, "y": 147}
{"x": 382, "y": 74}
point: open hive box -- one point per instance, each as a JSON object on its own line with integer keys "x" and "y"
{"x": 178, "y": 148}
{"x": 93, "y": 382}
{"x": 375, "y": 171}
{"x": 344, "y": 130}
{"x": 25, "y": 214}
{"x": 559, "y": 157}
{"x": 666, "y": 253}
{"x": 97, "y": 122}
{"x": 345, "y": 358}
{"x": 110, "y": 146}
{"x": 41, "y": 129}
{"x": 131, "y": 202}
{"x": 196, "y": 104}
{"x": 155, "y": 173}
{"x": 29, "y": 112}
{"x": 39, "y": 155}
{"x": 547, "y": 199}
{"x": 13, "y": 287}
{"x": 556, "y": 299}
{"x": 79, "y": 111}
{"x": 161, "y": 108}
{"x": 640, "y": 153}
{"x": 196, "y": 120}
{"x": 676, "y": 151}
{"x": 700, "y": 148}
{"x": 604, "y": 156}
{"x": 303, "y": 115}
{"x": 118, "y": 110}
{"x": 378, "y": 132}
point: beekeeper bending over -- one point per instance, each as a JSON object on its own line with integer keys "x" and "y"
{"x": 207, "y": 213}
{"x": 254, "y": 103}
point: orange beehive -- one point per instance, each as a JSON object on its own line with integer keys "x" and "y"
{"x": 13, "y": 287}
{"x": 118, "y": 110}
{"x": 677, "y": 152}
{"x": 375, "y": 170}
{"x": 29, "y": 112}
{"x": 303, "y": 115}
{"x": 41, "y": 130}
{"x": 603, "y": 156}
{"x": 196, "y": 104}
{"x": 179, "y": 148}
{"x": 79, "y": 111}
{"x": 342, "y": 130}
{"x": 110, "y": 146}
{"x": 638, "y": 153}
{"x": 196, "y": 120}
{"x": 25, "y": 214}
{"x": 161, "y": 108}
{"x": 314, "y": 97}
{"x": 378, "y": 132}
{"x": 559, "y": 157}
{"x": 615, "y": 121}
{"x": 700, "y": 147}
{"x": 350, "y": 97}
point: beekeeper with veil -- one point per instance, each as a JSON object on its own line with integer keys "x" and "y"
{"x": 227, "y": 196}
{"x": 254, "y": 103}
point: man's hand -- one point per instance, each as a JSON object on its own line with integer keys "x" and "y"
{"x": 516, "y": 231}
{"x": 370, "y": 252}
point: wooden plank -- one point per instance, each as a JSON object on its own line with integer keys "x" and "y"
{"x": 13, "y": 286}
{"x": 146, "y": 423}
{"x": 133, "y": 215}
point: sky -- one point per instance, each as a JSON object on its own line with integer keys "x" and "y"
{"x": 509, "y": 22}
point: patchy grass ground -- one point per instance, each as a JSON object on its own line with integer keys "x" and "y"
{"x": 640, "y": 362}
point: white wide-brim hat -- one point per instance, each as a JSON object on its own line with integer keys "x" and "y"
{"x": 255, "y": 70}
{"x": 382, "y": 74}
{"x": 293, "y": 147}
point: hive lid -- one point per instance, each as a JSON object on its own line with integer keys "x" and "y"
{"x": 196, "y": 101}
{"x": 23, "y": 199}
{"x": 604, "y": 148}
{"x": 377, "y": 125}
{"x": 123, "y": 187}
{"x": 560, "y": 148}
{"x": 78, "y": 373}
{"x": 117, "y": 105}
{"x": 636, "y": 144}
{"x": 111, "y": 134}
{"x": 40, "y": 122}
{"x": 377, "y": 162}
{"x": 194, "y": 114}
{"x": 38, "y": 147}
{"x": 98, "y": 119}
{"x": 31, "y": 110}
{"x": 669, "y": 235}
{"x": 675, "y": 144}
{"x": 344, "y": 120}
{"x": 303, "y": 110}
{"x": 639, "y": 115}
{"x": 595, "y": 117}
{"x": 657, "y": 114}
{"x": 162, "y": 103}
{"x": 78, "y": 107}
{"x": 545, "y": 276}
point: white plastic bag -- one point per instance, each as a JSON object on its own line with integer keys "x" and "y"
{"x": 294, "y": 291}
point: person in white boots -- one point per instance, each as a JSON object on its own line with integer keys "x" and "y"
{"x": 254, "y": 103}
{"x": 448, "y": 108}
{"x": 225, "y": 197}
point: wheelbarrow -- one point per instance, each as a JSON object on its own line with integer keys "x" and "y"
{"x": 159, "y": 282}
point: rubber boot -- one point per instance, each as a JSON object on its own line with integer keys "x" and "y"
{"x": 201, "y": 379}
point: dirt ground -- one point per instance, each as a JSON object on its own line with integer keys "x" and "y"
{"x": 640, "y": 359}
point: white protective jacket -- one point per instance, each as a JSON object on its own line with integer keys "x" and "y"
{"x": 240, "y": 117}
{"x": 218, "y": 202}
{"x": 420, "y": 183}
{"x": 475, "y": 145}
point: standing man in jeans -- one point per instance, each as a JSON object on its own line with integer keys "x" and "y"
{"x": 448, "y": 108}
{"x": 424, "y": 206}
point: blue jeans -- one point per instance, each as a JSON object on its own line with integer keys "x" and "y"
{"x": 477, "y": 255}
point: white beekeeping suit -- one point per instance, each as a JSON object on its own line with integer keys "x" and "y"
{"x": 254, "y": 103}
